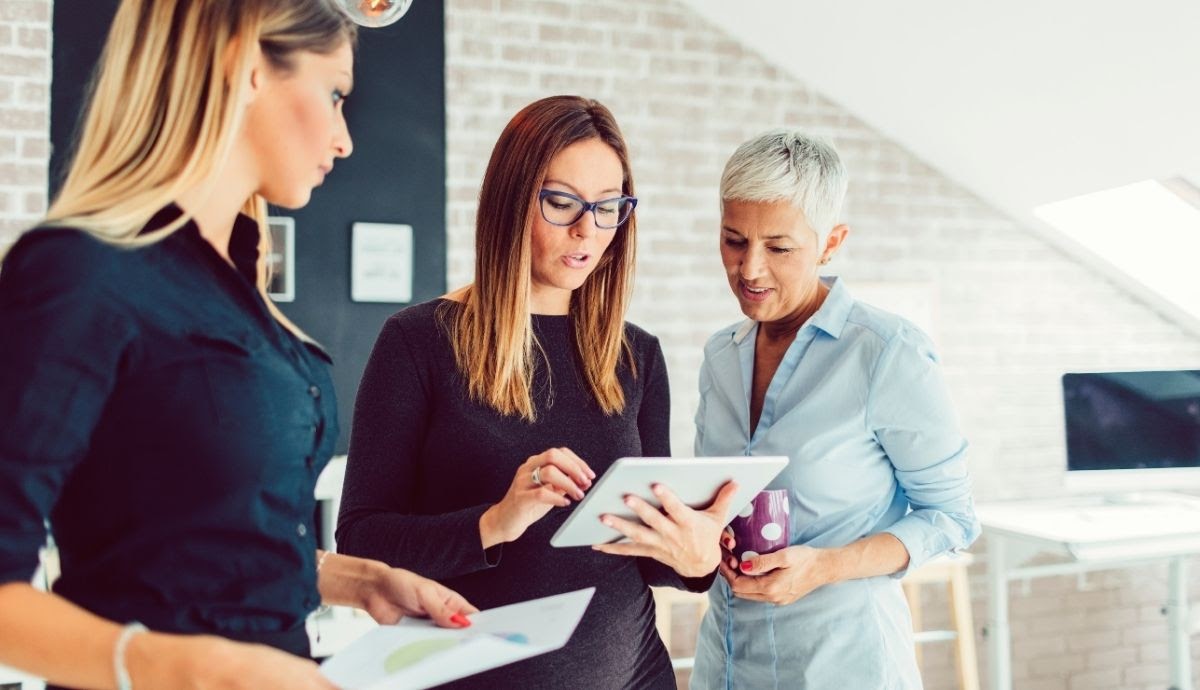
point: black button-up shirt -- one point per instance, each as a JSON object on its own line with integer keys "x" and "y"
{"x": 169, "y": 429}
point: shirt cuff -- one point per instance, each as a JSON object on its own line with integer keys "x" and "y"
{"x": 914, "y": 534}
{"x": 699, "y": 584}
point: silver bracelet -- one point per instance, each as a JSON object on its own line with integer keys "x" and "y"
{"x": 321, "y": 560}
{"x": 122, "y": 673}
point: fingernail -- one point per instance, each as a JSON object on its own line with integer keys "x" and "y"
{"x": 606, "y": 520}
{"x": 732, "y": 562}
{"x": 657, "y": 489}
{"x": 629, "y": 501}
{"x": 460, "y": 620}
{"x": 746, "y": 566}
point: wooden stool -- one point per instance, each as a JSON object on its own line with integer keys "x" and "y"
{"x": 665, "y": 598}
{"x": 952, "y": 572}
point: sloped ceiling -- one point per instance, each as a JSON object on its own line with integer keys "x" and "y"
{"x": 1023, "y": 103}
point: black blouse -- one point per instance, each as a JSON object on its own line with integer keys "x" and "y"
{"x": 426, "y": 462}
{"x": 167, "y": 427}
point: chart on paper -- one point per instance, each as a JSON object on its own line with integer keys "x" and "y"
{"x": 416, "y": 654}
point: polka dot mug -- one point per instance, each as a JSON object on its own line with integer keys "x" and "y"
{"x": 762, "y": 526}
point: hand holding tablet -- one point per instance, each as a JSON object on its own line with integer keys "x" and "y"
{"x": 695, "y": 482}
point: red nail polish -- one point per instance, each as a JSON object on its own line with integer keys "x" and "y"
{"x": 746, "y": 566}
{"x": 460, "y": 620}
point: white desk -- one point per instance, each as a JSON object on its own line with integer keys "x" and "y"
{"x": 332, "y": 629}
{"x": 329, "y": 495}
{"x": 1093, "y": 533}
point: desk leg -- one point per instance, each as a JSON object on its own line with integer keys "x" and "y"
{"x": 998, "y": 635}
{"x": 1179, "y": 637}
{"x": 329, "y": 515}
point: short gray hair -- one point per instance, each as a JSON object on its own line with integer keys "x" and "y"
{"x": 789, "y": 165}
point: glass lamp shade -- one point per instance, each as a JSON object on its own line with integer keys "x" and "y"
{"x": 376, "y": 13}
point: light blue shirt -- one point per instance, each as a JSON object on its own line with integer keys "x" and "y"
{"x": 859, "y": 407}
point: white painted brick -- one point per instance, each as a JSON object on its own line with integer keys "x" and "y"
{"x": 1147, "y": 675}
{"x": 1096, "y": 680}
{"x": 1057, "y": 666}
{"x": 1112, "y": 657}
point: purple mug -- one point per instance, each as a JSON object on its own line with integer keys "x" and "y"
{"x": 762, "y": 526}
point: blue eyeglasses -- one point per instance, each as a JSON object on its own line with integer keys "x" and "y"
{"x": 563, "y": 209}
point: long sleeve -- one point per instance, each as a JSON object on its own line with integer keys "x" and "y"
{"x": 378, "y": 518}
{"x": 61, "y": 342}
{"x": 654, "y": 425}
{"x": 912, "y": 418}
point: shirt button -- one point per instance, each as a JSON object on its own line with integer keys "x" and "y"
{"x": 314, "y": 391}
{"x": 301, "y": 530}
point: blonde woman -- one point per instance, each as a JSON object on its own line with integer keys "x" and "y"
{"x": 484, "y": 415}
{"x": 159, "y": 411}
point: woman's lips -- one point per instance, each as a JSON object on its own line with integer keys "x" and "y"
{"x": 753, "y": 294}
{"x": 576, "y": 260}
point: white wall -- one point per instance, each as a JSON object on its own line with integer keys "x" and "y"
{"x": 24, "y": 113}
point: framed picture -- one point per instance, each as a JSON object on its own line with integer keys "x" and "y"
{"x": 381, "y": 262}
{"x": 283, "y": 258}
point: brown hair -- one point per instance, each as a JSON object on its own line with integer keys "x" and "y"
{"x": 492, "y": 333}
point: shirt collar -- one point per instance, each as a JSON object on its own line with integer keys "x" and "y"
{"x": 831, "y": 317}
{"x": 243, "y": 241}
{"x": 835, "y": 311}
{"x": 243, "y": 252}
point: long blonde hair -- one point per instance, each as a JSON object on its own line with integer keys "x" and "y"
{"x": 165, "y": 106}
{"x": 491, "y": 331}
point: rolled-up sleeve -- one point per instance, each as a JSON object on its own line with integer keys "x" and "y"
{"x": 61, "y": 342}
{"x": 911, "y": 416}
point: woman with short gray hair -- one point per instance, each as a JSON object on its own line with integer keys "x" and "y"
{"x": 877, "y": 480}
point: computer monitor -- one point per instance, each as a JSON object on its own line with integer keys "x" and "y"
{"x": 1132, "y": 430}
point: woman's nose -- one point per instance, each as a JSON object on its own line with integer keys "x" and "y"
{"x": 343, "y": 145}
{"x": 585, "y": 226}
{"x": 752, "y": 264}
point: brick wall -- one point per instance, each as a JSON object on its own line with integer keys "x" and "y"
{"x": 1011, "y": 311}
{"x": 24, "y": 113}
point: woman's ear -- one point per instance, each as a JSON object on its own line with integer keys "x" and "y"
{"x": 834, "y": 242}
{"x": 244, "y": 61}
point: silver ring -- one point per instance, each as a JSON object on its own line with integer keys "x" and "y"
{"x": 537, "y": 475}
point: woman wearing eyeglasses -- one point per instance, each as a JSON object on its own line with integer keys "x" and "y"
{"x": 483, "y": 416}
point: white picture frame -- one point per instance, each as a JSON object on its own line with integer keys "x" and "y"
{"x": 282, "y": 260}
{"x": 381, "y": 262}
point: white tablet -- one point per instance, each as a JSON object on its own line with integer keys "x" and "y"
{"x": 694, "y": 480}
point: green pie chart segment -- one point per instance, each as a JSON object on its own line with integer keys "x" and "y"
{"x": 414, "y": 653}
